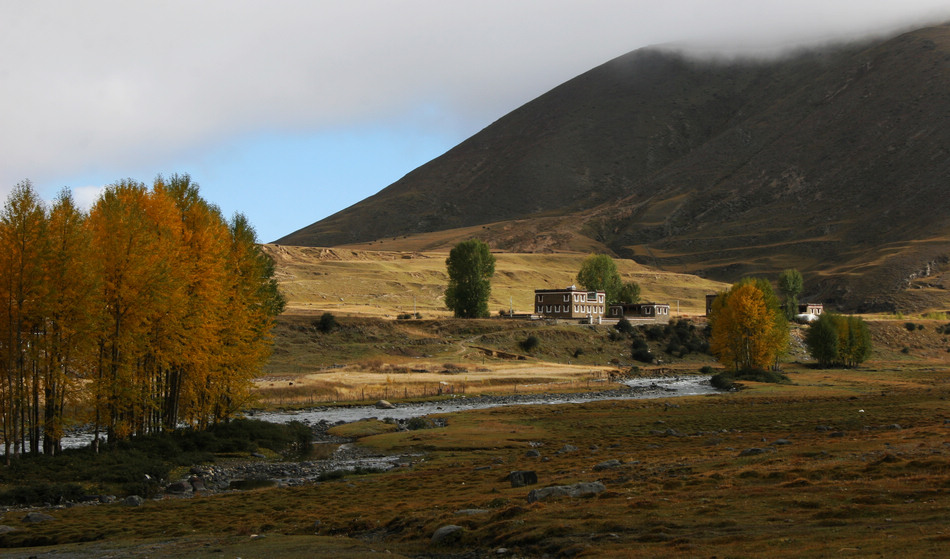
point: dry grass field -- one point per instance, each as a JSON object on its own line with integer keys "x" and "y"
{"x": 389, "y": 283}
{"x": 836, "y": 463}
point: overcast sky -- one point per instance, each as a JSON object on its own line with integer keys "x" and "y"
{"x": 289, "y": 111}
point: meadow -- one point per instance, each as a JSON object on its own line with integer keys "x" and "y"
{"x": 843, "y": 463}
{"x": 832, "y": 463}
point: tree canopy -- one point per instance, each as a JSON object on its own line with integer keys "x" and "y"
{"x": 470, "y": 266}
{"x": 838, "y": 341}
{"x": 749, "y": 331}
{"x": 149, "y": 311}
{"x": 599, "y": 273}
{"x": 790, "y": 283}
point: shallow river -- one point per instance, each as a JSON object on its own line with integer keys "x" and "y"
{"x": 642, "y": 388}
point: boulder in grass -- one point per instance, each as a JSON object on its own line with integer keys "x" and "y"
{"x": 522, "y": 478}
{"x": 577, "y": 490}
{"x": 384, "y": 405}
{"x": 607, "y": 465}
{"x": 447, "y": 535}
{"x": 36, "y": 517}
{"x": 133, "y": 501}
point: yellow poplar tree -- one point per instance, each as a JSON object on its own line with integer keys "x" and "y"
{"x": 746, "y": 331}
{"x": 69, "y": 314}
{"x": 23, "y": 238}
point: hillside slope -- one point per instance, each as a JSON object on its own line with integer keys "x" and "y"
{"x": 834, "y": 162}
{"x": 387, "y": 284}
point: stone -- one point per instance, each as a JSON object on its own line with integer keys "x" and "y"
{"x": 607, "y": 465}
{"x": 133, "y": 501}
{"x": 179, "y": 488}
{"x": 567, "y": 448}
{"x": 532, "y": 453}
{"x": 752, "y": 451}
{"x": 521, "y": 478}
{"x": 384, "y": 405}
{"x": 448, "y": 534}
{"x": 4, "y": 529}
{"x": 36, "y": 517}
{"x": 782, "y": 442}
{"x": 577, "y": 490}
{"x": 197, "y": 484}
{"x": 471, "y": 512}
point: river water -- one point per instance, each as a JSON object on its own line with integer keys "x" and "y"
{"x": 641, "y": 388}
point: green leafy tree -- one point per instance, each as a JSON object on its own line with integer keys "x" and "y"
{"x": 599, "y": 273}
{"x": 839, "y": 341}
{"x": 470, "y": 267}
{"x": 822, "y": 340}
{"x": 629, "y": 293}
{"x": 790, "y": 283}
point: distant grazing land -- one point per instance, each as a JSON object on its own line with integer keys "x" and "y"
{"x": 390, "y": 283}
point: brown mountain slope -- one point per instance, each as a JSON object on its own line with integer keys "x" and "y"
{"x": 835, "y": 162}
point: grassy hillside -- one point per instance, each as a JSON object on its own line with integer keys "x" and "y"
{"x": 390, "y": 283}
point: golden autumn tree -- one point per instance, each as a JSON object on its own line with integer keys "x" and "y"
{"x": 69, "y": 315}
{"x": 23, "y": 288}
{"x": 253, "y": 301}
{"x": 152, "y": 309}
{"x": 134, "y": 240}
{"x": 748, "y": 331}
{"x": 189, "y": 375}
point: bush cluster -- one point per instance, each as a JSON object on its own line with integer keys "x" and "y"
{"x": 726, "y": 379}
{"x": 141, "y": 465}
{"x": 678, "y": 338}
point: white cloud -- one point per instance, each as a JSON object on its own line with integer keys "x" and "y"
{"x": 117, "y": 84}
{"x": 85, "y": 196}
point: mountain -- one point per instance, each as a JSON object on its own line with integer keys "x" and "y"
{"x": 836, "y": 162}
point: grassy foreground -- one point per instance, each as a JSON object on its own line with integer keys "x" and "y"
{"x": 851, "y": 463}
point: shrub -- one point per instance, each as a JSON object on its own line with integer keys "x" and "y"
{"x": 723, "y": 381}
{"x": 327, "y": 323}
{"x": 641, "y": 351}
{"x": 910, "y": 326}
{"x": 654, "y": 332}
{"x": 623, "y": 326}
{"x": 530, "y": 343}
{"x": 726, "y": 379}
{"x": 416, "y": 423}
